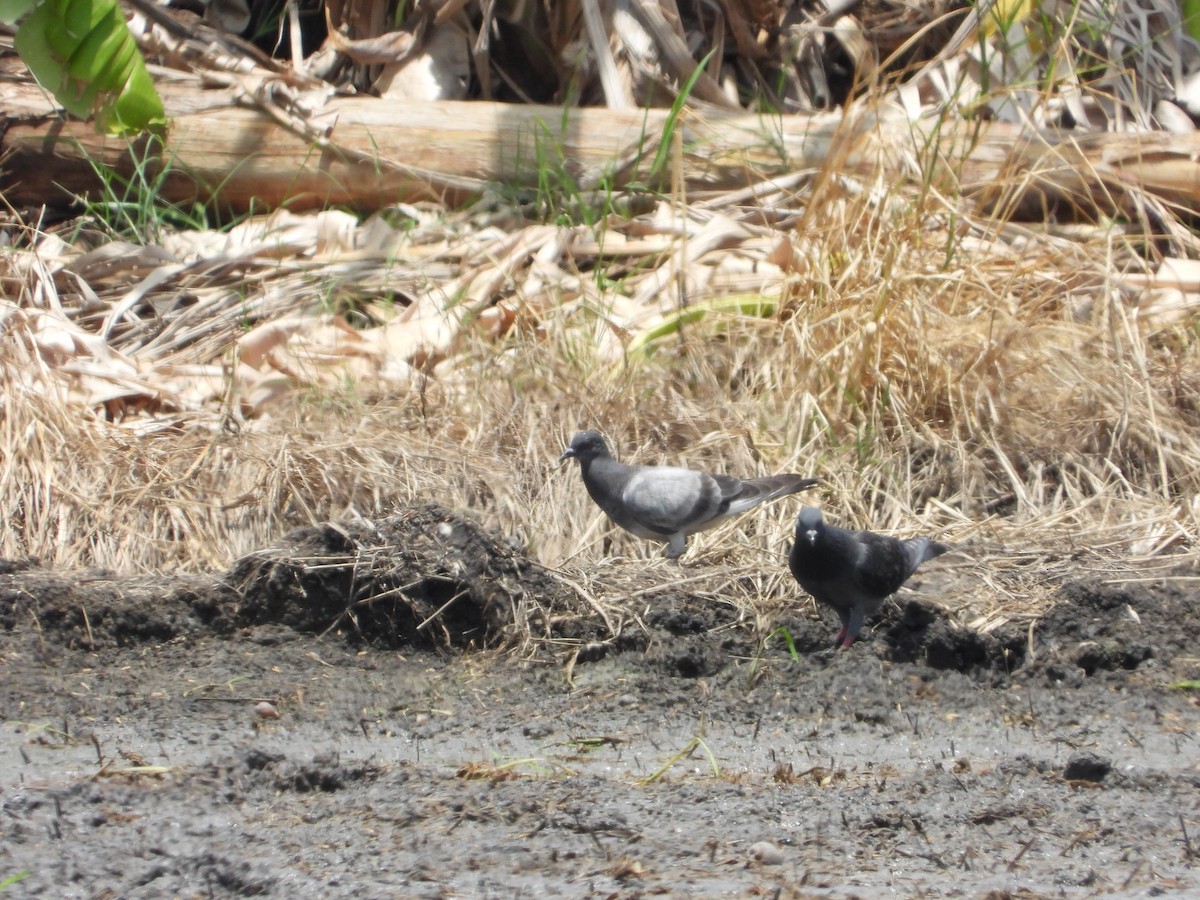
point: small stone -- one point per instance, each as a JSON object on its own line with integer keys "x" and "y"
{"x": 1087, "y": 767}
{"x": 537, "y": 730}
{"x": 765, "y": 853}
{"x": 265, "y": 710}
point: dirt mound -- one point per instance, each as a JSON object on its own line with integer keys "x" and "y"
{"x": 1102, "y": 629}
{"x": 1105, "y": 627}
{"x": 427, "y": 576}
{"x": 431, "y": 577}
{"x": 93, "y": 609}
{"x": 920, "y": 632}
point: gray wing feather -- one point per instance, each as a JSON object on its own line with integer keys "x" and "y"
{"x": 670, "y": 499}
{"x": 743, "y": 494}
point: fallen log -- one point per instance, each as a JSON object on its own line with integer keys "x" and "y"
{"x": 259, "y": 147}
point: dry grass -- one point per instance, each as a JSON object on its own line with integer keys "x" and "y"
{"x": 1001, "y": 390}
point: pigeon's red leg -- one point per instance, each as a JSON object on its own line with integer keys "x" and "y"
{"x": 854, "y": 624}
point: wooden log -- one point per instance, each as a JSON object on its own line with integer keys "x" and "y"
{"x": 365, "y": 153}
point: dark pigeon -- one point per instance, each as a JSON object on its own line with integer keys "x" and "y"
{"x": 853, "y": 571}
{"x": 665, "y": 503}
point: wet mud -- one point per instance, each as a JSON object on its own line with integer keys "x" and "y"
{"x": 358, "y": 712}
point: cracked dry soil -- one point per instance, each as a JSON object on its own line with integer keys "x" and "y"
{"x": 138, "y": 758}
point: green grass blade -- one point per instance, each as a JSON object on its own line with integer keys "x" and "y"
{"x": 787, "y": 637}
{"x": 645, "y": 342}
{"x": 664, "y": 146}
{"x": 13, "y": 879}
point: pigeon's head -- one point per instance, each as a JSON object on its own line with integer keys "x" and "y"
{"x": 585, "y": 446}
{"x": 810, "y": 525}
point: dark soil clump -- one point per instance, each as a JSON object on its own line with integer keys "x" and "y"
{"x": 921, "y": 632}
{"x": 1101, "y": 628}
{"x": 98, "y": 609}
{"x": 425, "y": 577}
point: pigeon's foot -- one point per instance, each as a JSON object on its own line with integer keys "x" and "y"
{"x": 676, "y": 547}
{"x": 675, "y": 555}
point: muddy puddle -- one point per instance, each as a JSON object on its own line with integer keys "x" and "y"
{"x": 307, "y": 724}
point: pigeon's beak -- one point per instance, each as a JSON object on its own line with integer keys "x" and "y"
{"x": 567, "y": 454}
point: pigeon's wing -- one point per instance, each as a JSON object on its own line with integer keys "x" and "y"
{"x": 884, "y": 565}
{"x": 829, "y": 571}
{"x": 742, "y": 494}
{"x": 733, "y": 488}
{"x": 670, "y": 500}
{"x": 888, "y": 562}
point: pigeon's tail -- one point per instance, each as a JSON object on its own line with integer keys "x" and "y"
{"x": 771, "y": 487}
{"x": 921, "y": 550}
{"x": 791, "y": 484}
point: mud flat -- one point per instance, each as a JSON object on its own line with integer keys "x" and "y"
{"x": 324, "y": 721}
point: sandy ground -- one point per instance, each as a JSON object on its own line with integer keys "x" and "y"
{"x": 684, "y": 760}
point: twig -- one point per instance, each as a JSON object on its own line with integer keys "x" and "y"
{"x": 1189, "y": 851}
{"x": 1025, "y": 847}
{"x": 441, "y": 609}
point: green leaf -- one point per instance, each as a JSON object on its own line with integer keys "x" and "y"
{"x": 1191, "y": 18}
{"x": 1185, "y": 685}
{"x": 74, "y": 21}
{"x": 137, "y": 107}
{"x": 11, "y": 10}
{"x": 82, "y": 51}
{"x": 32, "y": 42}
{"x": 103, "y": 55}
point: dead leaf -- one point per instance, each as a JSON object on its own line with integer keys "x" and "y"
{"x": 441, "y": 71}
{"x": 256, "y": 344}
{"x": 391, "y": 47}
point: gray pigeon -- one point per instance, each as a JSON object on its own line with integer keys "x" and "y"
{"x": 665, "y": 503}
{"x": 853, "y": 571}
